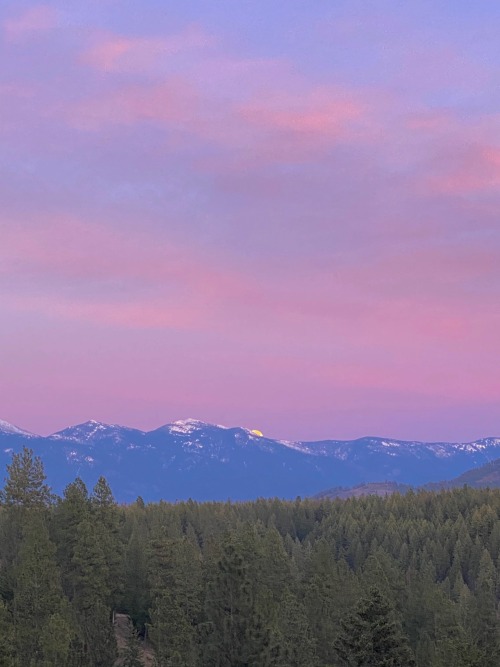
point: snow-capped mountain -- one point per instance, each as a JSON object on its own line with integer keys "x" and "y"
{"x": 10, "y": 429}
{"x": 192, "y": 459}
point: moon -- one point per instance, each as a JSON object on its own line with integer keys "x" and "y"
{"x": 255, "y": 431}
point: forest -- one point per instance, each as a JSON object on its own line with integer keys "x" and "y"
{"x": 401, "y": 581}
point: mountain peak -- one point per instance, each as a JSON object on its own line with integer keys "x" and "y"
{"x": 93, "y": 423}
{"x": 185, "y": 426}
{"x": 190, "y": 421}
{"x": 84, "y": 431}
{"x": 5, "y": 427}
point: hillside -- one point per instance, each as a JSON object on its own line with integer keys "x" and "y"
{"x": 369, "y": 489}
{"x": 486, "y": 476}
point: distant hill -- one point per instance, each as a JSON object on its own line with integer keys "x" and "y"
{"x": 369, "y": 489}
{"x": 486, "y": 476}
{"x": 193, "y": 459}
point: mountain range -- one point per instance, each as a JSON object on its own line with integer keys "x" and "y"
{"x": 193, "y": 459}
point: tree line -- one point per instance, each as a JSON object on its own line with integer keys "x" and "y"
{"x": 400, "y": 581}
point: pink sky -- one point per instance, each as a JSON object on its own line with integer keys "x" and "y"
{"x": 284, "y": 217}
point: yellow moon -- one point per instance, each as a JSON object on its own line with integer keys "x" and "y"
{"x": 257, "y": 432}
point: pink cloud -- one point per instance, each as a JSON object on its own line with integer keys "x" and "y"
{"x": 266, "y": 107}
{"x": 171, "y": 102}
{"x": 141, "y": 281}
{"x": 116, "y": 53}
{"x": 40, "y": 18}
{"x": 136, "y": 314}
{"x": 431, "y": 121}
{"x": 88, "y": 251}
{"x": 320, "y": 112}
{"x": 475, "y": 171}
{"x": 282, "y": 128}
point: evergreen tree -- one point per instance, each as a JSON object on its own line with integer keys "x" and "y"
{"x": 106, "y": 518}
{"x": 175, "y": 574}
{"x": 482, "y": 615}
{"x": 326, "y": 583}
{"x": 136, "y": 596}
{"x": 25, "y": 483}
{"x": 297, "y": 647}
{"x": 42, "y": 631}
{"x": 25, "y": 492}
{"x": 229, "y": 610}
{"x": 91, "y": 596}
{"x": 371, "y": 637}
{"x": 173, "y": 636}
{"x": 70, "y": 511}
{"x": 6, "y": 636}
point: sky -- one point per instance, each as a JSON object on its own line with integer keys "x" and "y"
{"x": 282, "y": 215}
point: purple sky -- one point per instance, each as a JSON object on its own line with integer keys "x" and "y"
{"x": 282, "y": 215}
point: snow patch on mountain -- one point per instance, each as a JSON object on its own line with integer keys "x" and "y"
{"x": 82, "y": 432}
{"x": 5, "y": 427}
{"x": 187, "y": 426}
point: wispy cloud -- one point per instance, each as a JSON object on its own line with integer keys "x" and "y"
{"x": 36, "y": 19}
{"x": 123, "y": 54}
{"x": 109, "y": 276}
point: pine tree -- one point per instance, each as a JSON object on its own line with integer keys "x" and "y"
{"x": 106, "y": 518}
{"x": 171, "y": 633}
{"x": 371, "y": 637}
{"x": 92, "y": 595}
{"x": 97, "y": 636}
{"x": 42, "y": 631}
{"x": 175, "y": 576}
{"x": 239, "y": 633}
{"x": 482, "y": 616}
{"x": 136, "y": 589}
{"x": 296, "y": 646}
{"x": 327, "y": 582}
{"x": 229, "y": 609}
{"x": 25, "y": 483}
{"x": 6, "y": 636}
{"x": 25, "y": 491}
{"x": 70, "y": 511}
{"x": 57, "y": 638}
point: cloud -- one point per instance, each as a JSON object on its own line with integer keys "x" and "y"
{"x": 171, "y": 103}
{"x": 134, "y": 314}
{"x": 279, "y": 126}
{"x": 471, "y": 171}
{"x": 37, "y": 19}
{"x": 124, "y": 54}
{"x": 196, "y": 92}
{"x": 76, "y": 269}
{"x": 320, "y": 112}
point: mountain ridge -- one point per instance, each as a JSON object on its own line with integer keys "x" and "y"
{"x": 192, "y": 458}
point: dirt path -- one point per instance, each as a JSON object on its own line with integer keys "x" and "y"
{"x": 122, "y": 633}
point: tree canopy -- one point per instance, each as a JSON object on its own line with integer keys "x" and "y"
{"x": 400, "y": 581}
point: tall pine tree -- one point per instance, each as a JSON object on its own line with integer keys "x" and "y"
{"x": 372, "y": 637}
